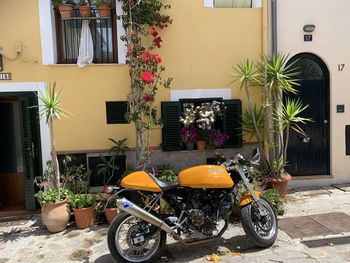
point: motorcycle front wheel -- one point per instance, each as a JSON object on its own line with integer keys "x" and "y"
{"x": 260, "y": 229}
{"x": 133, "y": 240}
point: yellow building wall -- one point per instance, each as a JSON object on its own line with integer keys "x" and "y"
{"x": 199, "y": 50}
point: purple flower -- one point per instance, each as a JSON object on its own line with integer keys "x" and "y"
{"x": 188, "y": 135}
{"x": 218, "y": 138}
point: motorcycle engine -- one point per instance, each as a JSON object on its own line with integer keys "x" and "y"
{"x": 205, "y": 209}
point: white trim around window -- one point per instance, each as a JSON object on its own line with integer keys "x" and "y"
{"x": 175, "y": 95}
{"x": 255, "y": 3}
{"x": 48, "y": 33}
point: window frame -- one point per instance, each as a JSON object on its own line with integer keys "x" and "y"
{"x": 48, "y": 34}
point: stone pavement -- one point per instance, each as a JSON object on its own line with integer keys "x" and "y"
{"x": 31, "y": 243}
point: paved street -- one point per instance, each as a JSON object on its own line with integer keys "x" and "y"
{"x": 34, "y": 244}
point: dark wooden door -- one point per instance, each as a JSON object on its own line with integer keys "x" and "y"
{"x": 310, "y": 154}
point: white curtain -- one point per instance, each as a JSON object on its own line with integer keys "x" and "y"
{"x": 86, "y": 47}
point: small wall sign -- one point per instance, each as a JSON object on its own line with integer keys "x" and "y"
{"x": 340, "y": 108}
{"x": 5, "y": 76}
{"x": 308, "y": 38}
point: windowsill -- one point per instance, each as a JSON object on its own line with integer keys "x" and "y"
{"x": 90, "y": 65}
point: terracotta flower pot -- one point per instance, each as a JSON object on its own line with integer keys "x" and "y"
{"x": 201, "y": 145}
{"x": 104, "y": 10}
{"x": 84, "y": 217}
{"x": 111, "y": 213}
{"x": 85, "y": 11}
{"x": 66, "y": 10}
{"x": 55, "y": 216}
{"x": 280, "y": 184}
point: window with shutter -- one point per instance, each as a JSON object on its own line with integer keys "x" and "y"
{"x": 171, "y": 140}
{"x": 232, "y": 123}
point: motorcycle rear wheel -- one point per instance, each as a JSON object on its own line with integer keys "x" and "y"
{"x": 122, "y": 234}
{"x": 261, "y": 230}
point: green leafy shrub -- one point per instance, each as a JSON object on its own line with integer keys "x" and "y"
{"x": 75, "y": 177}
{"x": 276, "y": 200}
{"x": 166, "y": 173}
{"x": 83, "y": 200}
{"x": 100, "y": 2}
{"x": 50, "y": 196}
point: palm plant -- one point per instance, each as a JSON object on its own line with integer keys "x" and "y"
{"x": 51, "y": 110}
{"x": 272, "y": 122}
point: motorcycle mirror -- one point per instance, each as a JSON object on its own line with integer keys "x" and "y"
{"x": 255, "y": 156}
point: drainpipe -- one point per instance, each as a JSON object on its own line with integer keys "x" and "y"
{"x": 274, "y": 26}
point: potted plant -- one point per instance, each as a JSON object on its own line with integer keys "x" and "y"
{"x": 272, "y": 122}
{"x": 104, "y": 7}
{"x": 217, "y": 138}
{"x": 111, "y": 209}
{"x": 188, "y": 137}
{"x": 84, "y": 8}
{"x": 65, "y": 7}
{"x": 55, "y": 212}
{"x": 84, "y": 209}
{"x": 50, "y": 182}
{"x": 203, "y": 119}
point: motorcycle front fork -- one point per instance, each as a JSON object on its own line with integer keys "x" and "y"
{"x": 249, "y": 187}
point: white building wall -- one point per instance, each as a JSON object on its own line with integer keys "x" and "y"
{"x": 331, "y": 42}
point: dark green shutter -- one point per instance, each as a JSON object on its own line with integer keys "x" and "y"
{"x": 232, "y": 123}
{"x": 171, "y": 139}
{"x": 28, "y": 152}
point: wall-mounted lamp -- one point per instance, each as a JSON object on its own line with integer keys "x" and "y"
{"x": 309, "y": 28}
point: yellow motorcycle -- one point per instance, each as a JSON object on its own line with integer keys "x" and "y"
{"x": 202, "y": 200}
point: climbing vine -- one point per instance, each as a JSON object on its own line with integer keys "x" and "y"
{"x": 143, "y": 20}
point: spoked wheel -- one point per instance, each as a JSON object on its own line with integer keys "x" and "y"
{"x": 260, "y": 226}
{"x": 134, "y": 240}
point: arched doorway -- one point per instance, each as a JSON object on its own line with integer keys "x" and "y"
{"x": 310, "y": 154}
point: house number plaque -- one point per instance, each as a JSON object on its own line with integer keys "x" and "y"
{"x": 5, "y": 76}
{"x": 308, "y": 38}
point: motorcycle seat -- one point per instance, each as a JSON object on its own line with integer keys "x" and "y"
{"x": 165, "y": 186}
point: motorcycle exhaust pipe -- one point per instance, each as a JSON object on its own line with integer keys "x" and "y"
{"x": 132, "y": 209}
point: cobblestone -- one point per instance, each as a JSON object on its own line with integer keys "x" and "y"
{"x": 34, "y": 244}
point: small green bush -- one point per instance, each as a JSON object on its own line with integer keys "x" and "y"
{"x": 166, "y": 173}
{"x": 82, "y": 200}
{"x": 50, "y": 196}
{"x": 276, "y": 200}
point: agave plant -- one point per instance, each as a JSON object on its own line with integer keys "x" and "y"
{"x": 50, "y": 109}
{"x": 271, "y": 124}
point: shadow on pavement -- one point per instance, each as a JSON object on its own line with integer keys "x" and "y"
{"x": 175, "y": 252}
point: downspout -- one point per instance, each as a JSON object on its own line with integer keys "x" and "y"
{"x": 274, "y": 26}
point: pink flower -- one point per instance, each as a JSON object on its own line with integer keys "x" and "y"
{"x": 147, "y": 77}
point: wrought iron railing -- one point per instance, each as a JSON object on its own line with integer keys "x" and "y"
{"x": 104, "y": 36}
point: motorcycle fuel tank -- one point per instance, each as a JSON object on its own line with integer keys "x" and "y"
{"x": 205, "y": 176}
{"x": 140, "y": 180}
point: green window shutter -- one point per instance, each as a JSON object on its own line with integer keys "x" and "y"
{"x": 28, "y": 157}
{"x": 232, "y": 123}
{"x": 171, "y": 139}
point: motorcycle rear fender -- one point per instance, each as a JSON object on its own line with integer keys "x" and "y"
{"x": 247, "y": 198}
